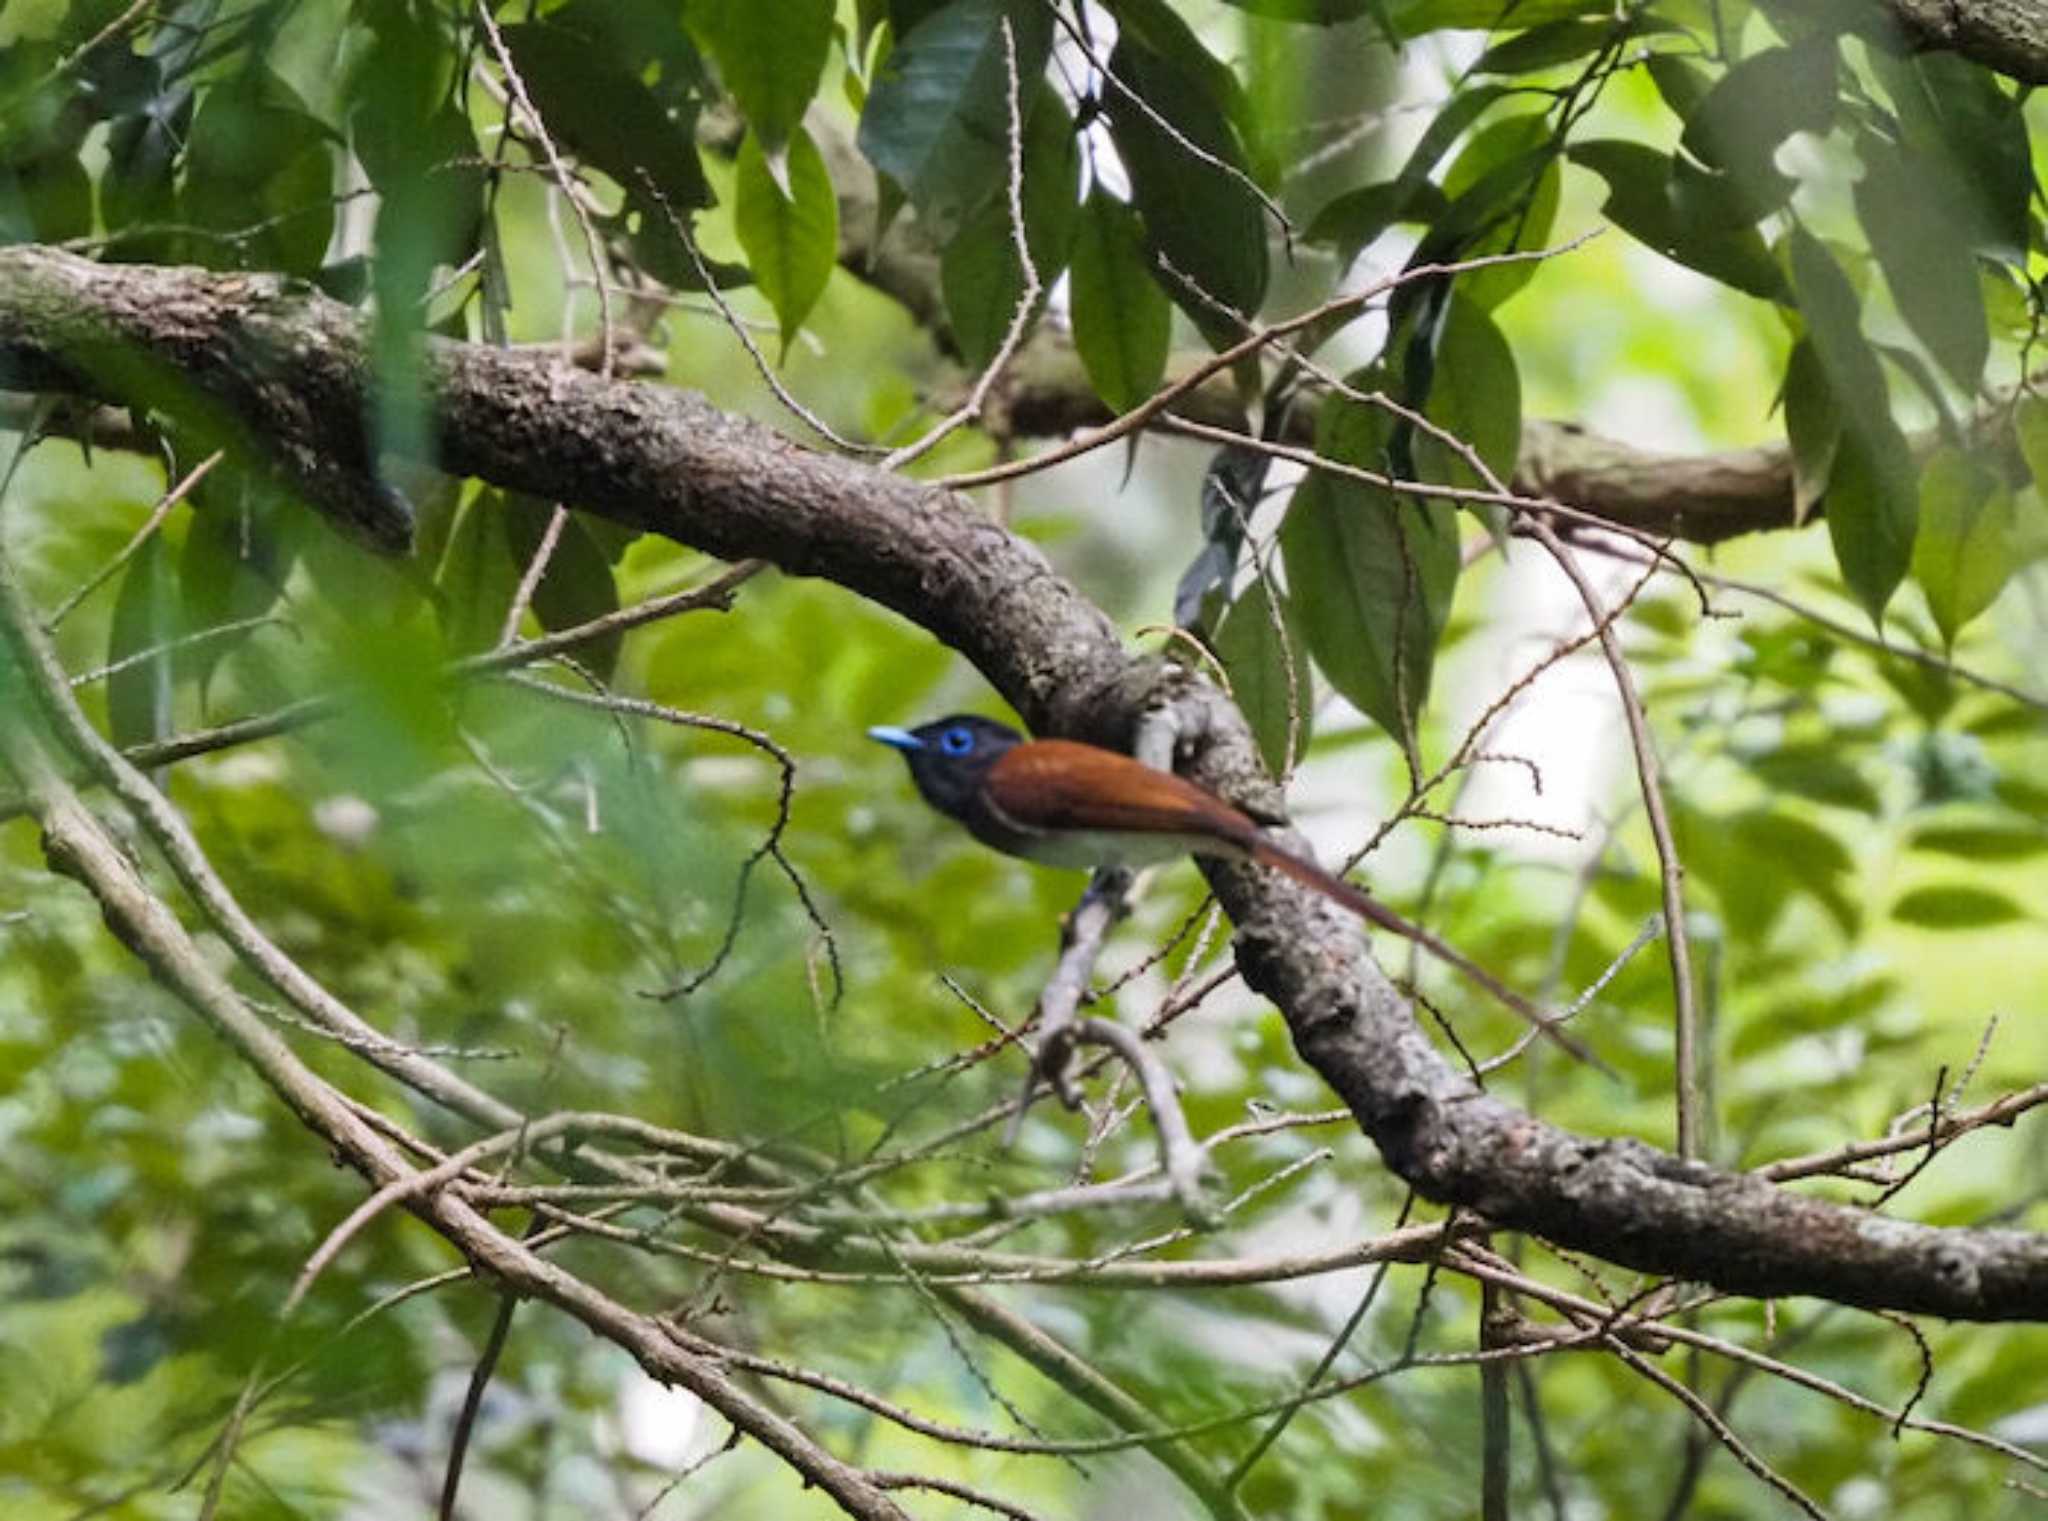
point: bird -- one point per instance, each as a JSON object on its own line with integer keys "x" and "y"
{"x": 1063, "y": 803}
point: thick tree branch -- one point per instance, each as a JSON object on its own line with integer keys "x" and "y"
{"x": 669, "y": 463}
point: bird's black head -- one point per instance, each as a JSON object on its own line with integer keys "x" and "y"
{"x": 949, "y": 757}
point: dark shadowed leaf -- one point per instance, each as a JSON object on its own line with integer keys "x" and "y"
{"x": 1640, "y": 202}
{"x": 1201, "y": 218}
{"x": 1372, "y": 575}
{"x": 1737, "y": 129}
{"x": 1872, "y": 499}
{"x": 577, "y": 586}
{"x": 1982, "y": 842}
{"x": 601, "y": 110}
{"x": 937, "y": 119}
{"x": 1266, "y": 660}
{"x": 980, "y": 274}
{"x": 1122, "y": 320}
{"x": 770, "y": 56}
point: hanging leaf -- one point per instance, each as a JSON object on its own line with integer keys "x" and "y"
{"x": 1813, "y": 427}
{"x": 938, "y": 112}
{"x": 1267, "y": 663}
{"x": 770, "y": 57}
{"x": 1203, "y": 220}
{"x": 145, "y": 613}
{"x": 979, "y": 273}
{"x": 1372, "y": 574}
{"x": 1963, "y": 552}
{"x": 577, "y": 586}
{"x": 1123, "y": 322}
{"x": 788, "y": 225}
{"x": 1872, "y": 500}
{"x": 1737, "y": 129}
{"x": 1917, "y": 219}
{"x": 1641, "y": 203}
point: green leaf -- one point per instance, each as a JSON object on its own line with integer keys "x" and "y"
{"x": 599, "y": 109}
{"x": 1956, "y": 114}
{"x": 259, "y": 168}
{"x": 1475, "y": 395}
{"x": 1963, "y": 552}
{"x": 788, "y": 225}
{"x": 1640, "y": 202}
{"x": 476, "y": 577}
{"x": 979, "y": 272}
{"x": 938, "y": 117}
{"x": 1815, "y": 772}
{"x": 1266, "y": 660}
{"x": 1122, "y": 320}
{"x": 770, "y": 56}
{"x": 1982, "y": 842}
{"x": 1737, "y": 129}
{"x": 1352, "y": 221}
{"x": 1318, "y": 12}
{"x": 1813, "y": 427}
{"x": 1207, "y": 222}
{"x": 1917, "y": 221}
{"x": 1515, "y": 156}
{"x": 139, "y": 697}
{"x": 1872, "y": 501}
{"x": 1372, "y": 575}
{"x": 1414, "y": 18}
{"x": 1956, "y": 907}
{"x": 577, "y": 586}
{"x": 2030, "y": 424}
{"x": 1547, "y": 46}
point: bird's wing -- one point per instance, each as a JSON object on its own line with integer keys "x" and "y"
{"x": 1056, "y": 784}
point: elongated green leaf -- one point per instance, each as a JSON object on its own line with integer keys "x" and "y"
{"x": 1738, "y": 128}
{"x": 1475, "y": 395}
{"x": 1813, "y": 427}
{"x": 1872, "y": 500}
{"x": 1640, "y": 202}
{"x": 1918, "y": 224}
{"x": 1206, "y": 222}
{"x": 770, "y": 56}
{"x": 599, "y": 108}
{"x": 1957, "y": 114}
{"x": 1956, "y": 907}
{"x": 1546, "y": 46}
{"x": 1515, "y": 153}
{"x": 1266, "y": 660}
{"x": 1352, "y": 221}
{"x": 1122, "y": 320}
{"x": 788, "y": 225}
{"x": 577, "y": 585}
{"x": 979, "y": 273}
{"x": 937, "y": 119}
{"x": 1982, "y": 842}
{"x": 1963, "y": 552}
{"x": 1817, "y": 772}
{"x": 139, "y": 697}
{"x": 1372, "y": 575}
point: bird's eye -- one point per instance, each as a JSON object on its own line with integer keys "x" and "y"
{"x": 956, "y": 740}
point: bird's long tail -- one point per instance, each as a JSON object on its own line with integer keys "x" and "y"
{"x": 1265, "y": 853}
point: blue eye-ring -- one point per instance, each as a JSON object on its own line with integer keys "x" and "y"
{"x": 956, "y": 740}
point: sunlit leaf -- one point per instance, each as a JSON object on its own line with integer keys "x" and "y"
{"x": 1963, "y": 552}
{"x": 1956, "y": 907}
